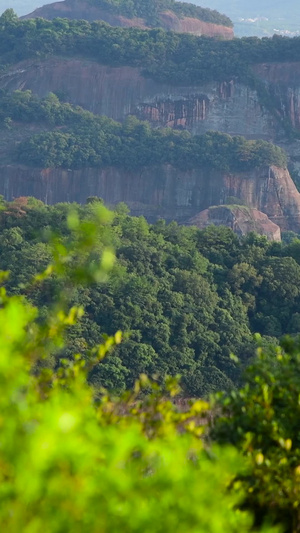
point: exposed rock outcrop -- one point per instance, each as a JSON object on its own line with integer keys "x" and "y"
{"x": 240, "y": 219}
{"x": 230, "y": 107}
{"x": 161, "y": 192}
{"x": 79, "y": 9}
{"x": 283, "y": 82}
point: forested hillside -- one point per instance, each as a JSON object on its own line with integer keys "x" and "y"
{"x": 78, "y": 138}
{"x": 187, "y": 298}
{"x": 166, "y": 57}
{"x": 162, "y": 55}
{"x": 76, "y": 458}
{"x": 149, "y": 373}
{"x": 150, "y": 10}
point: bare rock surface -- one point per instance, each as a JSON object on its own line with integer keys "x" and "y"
{"x": 240, "y": 219}
{"x": 230, "y": 107}
{"x": 161, "y": 191}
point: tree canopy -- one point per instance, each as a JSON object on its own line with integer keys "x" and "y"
{"x": 73, "y": 462}
{"x": 75, "y": 458}
{"x": 151, "y": 9}
{"x": 75, "y": 138}
{"x": 177, "y": 58}
{"x": 187, "y": 298}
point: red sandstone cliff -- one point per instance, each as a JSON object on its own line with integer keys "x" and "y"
{"x": 165, "y": 192}
{"x": 79, "y": 9}
{"x": 240, "y": 219}
{"x": 161, "y": 192}
{"x": 230, "y": 107}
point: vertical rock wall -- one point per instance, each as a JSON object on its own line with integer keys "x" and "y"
{"x": 162, "y": 191}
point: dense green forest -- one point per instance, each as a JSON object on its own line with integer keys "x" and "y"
{"x": 77, "y": 458}
{"x": 178, "y": 58}
{"x": 150, "y": 10}
{"x": 188, "y": 298}
{"x": 83, "y": 139}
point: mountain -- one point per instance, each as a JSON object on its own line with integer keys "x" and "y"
{"x": 246, "y": 87}
{"x": 259, "y": 18}
{"x": 181, "y": 85}
{"x": 166, "y": 14}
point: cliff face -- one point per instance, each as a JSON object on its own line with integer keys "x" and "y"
{"x": 118, "y": 91}
{"x": 229, "y": 107}
{"x": 78, "y": 9}
{"x": 161, "y": 192}
{"x": 283, "y": 82}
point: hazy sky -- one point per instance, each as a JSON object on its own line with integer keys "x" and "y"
{"x": 22, "y": 7}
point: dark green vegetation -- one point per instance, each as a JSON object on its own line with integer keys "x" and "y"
{"x": 133, "y": 463}
{"x": 261, "y": 420}
{"x": 76, "y": 459}
{"x": 165, "y": 56}
{"x": 83, "y": 139}
{"x": 178, "y": 58}
{"x": 150, "y": 10}
{"x": 188, "y": 298}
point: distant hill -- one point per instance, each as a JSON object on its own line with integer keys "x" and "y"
{"x": 261, "y": 18}
{"x": 181, "y": 17}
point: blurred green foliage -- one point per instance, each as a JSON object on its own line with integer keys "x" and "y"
{"x": 261, "y": 420}
{"x": 70, "y": 464}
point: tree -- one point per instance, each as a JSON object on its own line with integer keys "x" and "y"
{"x": 261, "y": 420}
{"x": 71, "y": 464}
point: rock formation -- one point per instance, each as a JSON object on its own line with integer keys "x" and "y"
{"x": 283, "y": 82}
{"x": 230, "y": 107}
{"x": 161, "y": 192}
{"x": 240, "y": 219}
{"x": 79, "y": 9}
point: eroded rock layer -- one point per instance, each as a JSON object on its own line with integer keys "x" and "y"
{"x": 163, "y": 191}
{"x": 230, "y": 107}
